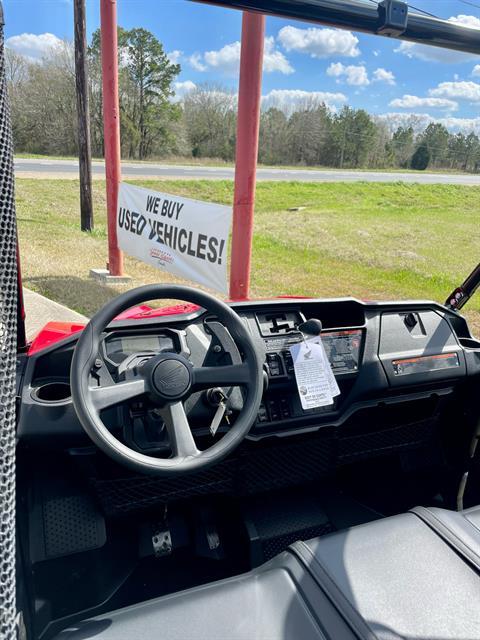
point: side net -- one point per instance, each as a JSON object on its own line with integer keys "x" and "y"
{"x": 8, "y": 322}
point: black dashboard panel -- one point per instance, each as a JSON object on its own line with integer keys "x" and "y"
{"x": 382, "y": 354}
{"x": 419, "y": 345}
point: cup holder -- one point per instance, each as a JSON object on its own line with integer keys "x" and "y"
{"x": 51, "y": 392}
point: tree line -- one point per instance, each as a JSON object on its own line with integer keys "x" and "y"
{"x": 156, "y": 124}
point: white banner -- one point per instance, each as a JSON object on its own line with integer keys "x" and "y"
{"x": 185, "y": 237}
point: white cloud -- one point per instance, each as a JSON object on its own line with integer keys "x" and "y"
{"x": 33, "y": 46}
{"x": 319, "y": 43}
{"x": 274, "y": 60}
{"x": 355, "y": 75}
{"x": 418, "y": 121}
{"x": 175, "y": 56}
{"x": 432, "y": 54}
{"x": 415, "y": 102}
{"x": 462, "y": 125}
{"x": 466, "y": 21}
{"x": 227, "y": 59}
{"x": 475, "y": 71}
{"x": 195, "y": 61}
{"x": 182, "y": 88}
{"x": 382, "y": 75}
{"x": 465, "y": 90}
{"x": 290, "y": 100}
{"x": 439, "y": 54}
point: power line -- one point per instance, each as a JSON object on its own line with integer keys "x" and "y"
{"x": 432, "y": 15}
{"x": 472, "y": 4}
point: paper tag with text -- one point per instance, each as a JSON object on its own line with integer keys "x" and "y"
{"x": 311, "y": 373}
{"x": 334, "y": 390}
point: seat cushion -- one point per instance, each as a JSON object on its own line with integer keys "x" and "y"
{"x": 460, "y": 530}
{"x": 473, "y": 516}
{"x": 267, "y": 603}
{"x": 389, "y": 579}
{"x": 401, "y": 577}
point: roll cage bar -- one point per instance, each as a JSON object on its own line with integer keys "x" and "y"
{"x": 345, "y": 14}
{"x": 366, "y": 17}
{"x": 389, "y": 18}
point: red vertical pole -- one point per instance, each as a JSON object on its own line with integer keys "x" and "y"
{"x": 248, "y": 127}
{"x": 111, "y": 127}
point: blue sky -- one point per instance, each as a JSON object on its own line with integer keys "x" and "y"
{"x": 381, "y": 75}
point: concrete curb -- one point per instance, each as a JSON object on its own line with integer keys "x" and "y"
{"x": 40, "y": 310}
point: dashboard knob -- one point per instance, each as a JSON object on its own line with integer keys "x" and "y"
{"x": 411, "y": 320}
{"x": 312, "y": 327}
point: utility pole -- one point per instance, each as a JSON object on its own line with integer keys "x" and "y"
{"x": 83, "y": 114}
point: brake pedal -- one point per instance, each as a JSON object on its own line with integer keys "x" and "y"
{"x": 208, "y": 543}
{"x": 162, "y": 543}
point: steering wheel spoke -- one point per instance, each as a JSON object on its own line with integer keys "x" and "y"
{"x": 168, "y": 380}
{"x": 107, "y": 396}
{"x": 232, "y": 375}
{"x": 181, "y": 437}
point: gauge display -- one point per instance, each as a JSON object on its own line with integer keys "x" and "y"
{"x": 136, "y": 344}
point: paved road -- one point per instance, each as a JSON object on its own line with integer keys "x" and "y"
{"x": 68, "y": 168}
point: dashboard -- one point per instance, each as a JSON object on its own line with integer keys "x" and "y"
{"x": 402, "y": 357}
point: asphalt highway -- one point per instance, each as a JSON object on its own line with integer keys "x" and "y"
{"x": 68, "y": 168}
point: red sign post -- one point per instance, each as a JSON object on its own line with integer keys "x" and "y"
{"x": 248, "y": 127}
{"x": 111, "y": 128}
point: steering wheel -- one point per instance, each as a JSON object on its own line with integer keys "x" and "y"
{"x": 168, "y": 379}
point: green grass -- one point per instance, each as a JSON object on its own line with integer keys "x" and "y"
{"x": 41, "y": 156}
{"x": 171, "y": 160}
{"x": 373, "y": 241}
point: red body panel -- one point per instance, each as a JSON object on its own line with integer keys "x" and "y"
{"x": 51, "y": 333}
{"x": 54, "y": 332}
{"x": 144, "y": 311}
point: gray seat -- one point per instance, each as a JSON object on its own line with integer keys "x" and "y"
{"x": 402, "y": 577}
{"x": 415, "y": 576}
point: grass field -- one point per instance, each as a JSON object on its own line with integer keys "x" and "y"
{"x": 373, "y": 241}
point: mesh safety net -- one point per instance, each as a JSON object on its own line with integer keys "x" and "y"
{"x": 8, "y": 321}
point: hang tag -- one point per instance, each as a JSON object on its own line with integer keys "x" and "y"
{"x": 312, "y": 368}
{"x": 217, "y": 418}
{"x": 334, "y": 389}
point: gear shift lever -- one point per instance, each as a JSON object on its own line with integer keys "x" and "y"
{"x": 312, "y": 327}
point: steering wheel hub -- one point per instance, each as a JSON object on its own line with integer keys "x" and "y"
{"x": 171, "y": 377}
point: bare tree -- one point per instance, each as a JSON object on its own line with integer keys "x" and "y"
{"x": 16, "y": 68}
{"x": 210, "y": 116}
